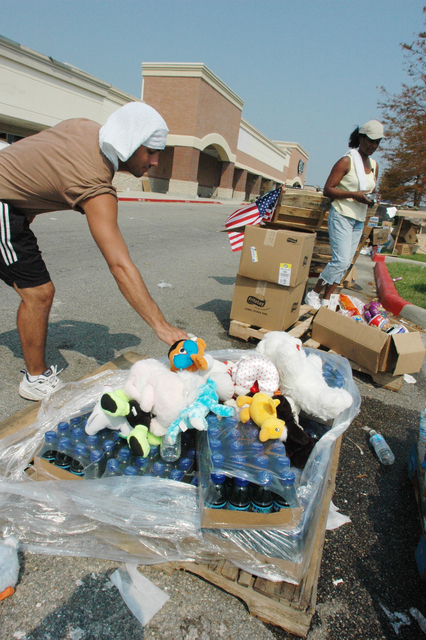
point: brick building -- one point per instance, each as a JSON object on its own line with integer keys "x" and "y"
{"x": 211, "y": 150}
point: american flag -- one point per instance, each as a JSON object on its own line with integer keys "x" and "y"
{"x": 260, "y": 211}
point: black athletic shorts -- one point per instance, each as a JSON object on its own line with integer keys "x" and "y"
{"x": 20, "y": 258}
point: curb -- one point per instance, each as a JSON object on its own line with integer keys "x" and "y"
{"x": 121, "y": 199}
{"x": 392, "y": 301}
{"x": 389, "y": 297}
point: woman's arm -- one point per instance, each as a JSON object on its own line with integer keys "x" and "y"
{"x": 340, "y": 169}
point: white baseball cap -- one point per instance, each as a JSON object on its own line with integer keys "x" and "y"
{"x": 373, "y": 129}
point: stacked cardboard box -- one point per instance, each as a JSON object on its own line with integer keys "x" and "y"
{"x": 272, "y": 276}
{"x": 405, "y": 236}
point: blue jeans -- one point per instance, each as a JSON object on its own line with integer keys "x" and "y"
{"x": 345, "y": 234}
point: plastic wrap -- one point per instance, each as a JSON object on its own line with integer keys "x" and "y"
{"x": 145, "y": 520}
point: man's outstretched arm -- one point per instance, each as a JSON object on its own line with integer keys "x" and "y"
{"x": 101, "y": 213}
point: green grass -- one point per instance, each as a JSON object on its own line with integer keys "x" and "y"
{"x": 412, "y": 287}
{"x": 417, "y": 257}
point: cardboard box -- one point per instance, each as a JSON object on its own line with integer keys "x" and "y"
{"x": 267, "y": 305}
{"x": 379, "y": 235}
{"x": 404, "y": 249}
{"x": 407, "y": 233}
{"x": 373, "y": 221}
{"x": 369, "y": 347}
{"x": 351, "y": 277}
{"x": 279, "y": 256}
{"x": 48, "y": 471}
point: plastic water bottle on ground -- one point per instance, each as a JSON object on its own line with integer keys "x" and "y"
{"x": 381, "y": 448}
{"x": 123, "y": 458}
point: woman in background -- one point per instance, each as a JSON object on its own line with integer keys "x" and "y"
{"x": 352, "y": 178}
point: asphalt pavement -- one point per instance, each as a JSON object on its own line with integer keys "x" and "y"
{"x": 369, "y": 585}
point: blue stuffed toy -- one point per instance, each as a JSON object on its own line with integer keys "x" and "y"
{"x": 194, "y": 416}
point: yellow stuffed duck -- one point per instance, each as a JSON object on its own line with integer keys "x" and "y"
{"x": 262, "y": 409}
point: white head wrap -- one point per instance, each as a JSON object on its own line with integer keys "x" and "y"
{"x": 128, "y": 128}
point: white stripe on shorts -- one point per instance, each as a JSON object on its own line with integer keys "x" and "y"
{"x": 6, "y": 247}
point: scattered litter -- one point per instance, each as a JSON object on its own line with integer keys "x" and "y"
{"x": 363, "y": 475}
{"x": 336, "y": 582}
{"x": 76, "y": 634}
{"x": 19, "y": 635}
{"x": 396, "y": 619}
{"x": 335, "y": 519}
{"x": 357, "y": 446}
{"x": 142, "y": 597}
{"x": 79, "y": 583}
{"x": 9, "y": 566}
{"x": 53, "y": 218}
{"x": 419, "y": 618}
{"x": 409, "y": 379}
{"x": 165, "y": 285}
{"x": 94, "y": 576}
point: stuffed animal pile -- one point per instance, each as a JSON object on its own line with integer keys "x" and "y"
{"x": 270, "y": 386}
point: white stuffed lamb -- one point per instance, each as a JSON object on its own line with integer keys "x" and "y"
{"x": 301, "y": 376}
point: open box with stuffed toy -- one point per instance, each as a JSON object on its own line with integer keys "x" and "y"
{"x": 146, "y": 519}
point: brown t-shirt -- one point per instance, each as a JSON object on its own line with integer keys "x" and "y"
{"x": 55, "y": 169}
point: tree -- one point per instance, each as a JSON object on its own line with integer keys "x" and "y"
{"x": 404, "y": 115}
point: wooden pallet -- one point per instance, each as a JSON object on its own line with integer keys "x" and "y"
{"x": 283, "y": 604}
{"x": 302, "y": 330}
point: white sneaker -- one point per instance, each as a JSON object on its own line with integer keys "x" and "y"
{"x": 42, "y": 386}
{"x": 325, "y": 303}
{"x": 313, "y": 299}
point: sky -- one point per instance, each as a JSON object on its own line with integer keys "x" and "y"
{"x": 308, "y": 71}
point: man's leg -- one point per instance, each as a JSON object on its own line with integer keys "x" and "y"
{"x": 32, "y": 321}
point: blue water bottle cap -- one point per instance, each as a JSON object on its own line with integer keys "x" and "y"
{"x": 113, "y": 466}
{"x": 64, "y": 443}
{"x": 191, "y": 453}
{"x": 218, "y": 459}
{"x": 63, "y": 427}
{"x": 240, "y": 482}
{"x": 288, "y": 477}
{"x": 141, "y": 462}
{"x": 158, "y": 468}
{"x": 217, "y": 477}
{"x": 153, "y": 450}
{"x": 115, "y": 435}
{"x": 214, "y": 432}
{"x": 278, "y": 447}
{"x": 215, "y": 445}
{"x": 130, "y": 471}
{"x": 50, "y": 436}
{"x": 264, "y": 478}
{"x": 238, "y": 460}
{"x": 261, "y": 461}
{"x": 95, "y": 455}
{"x": 92, "y": 440}
{"x": 80, "y": 449}
{"x": 253, "y": 433}
{"x": 108, "y": 446}
{"x": 75, "y": 421}
{"x": 77, "y": 433}
{"x": 124, "y": 454}
{"x": 236, "y": 447}
{"x": 176, "y": 474}
{"x": 283, "y": 462}
{"x": 185, "y": 464}
{"x": 257, "y": 447}
{"x": 234, "y": 433}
